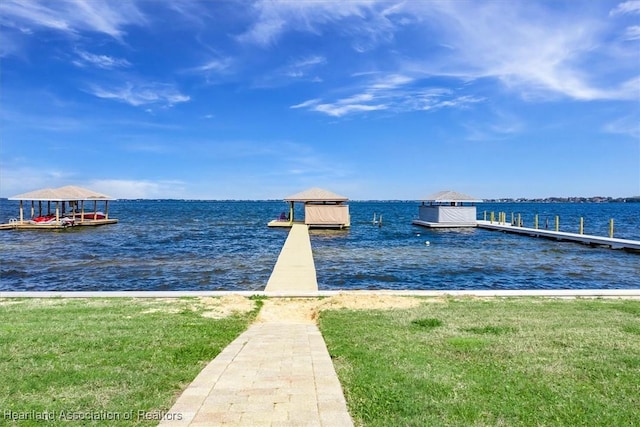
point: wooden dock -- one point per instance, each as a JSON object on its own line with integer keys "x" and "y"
{"x": 295, "y": 269}
{"x": 26, "y": 225}
{"x": 613, "y": 243}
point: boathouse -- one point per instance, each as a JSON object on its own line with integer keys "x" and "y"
{"x": 322, "y": 209}
{"x": 59, "y": 208}
{"x": 447, "y": 209}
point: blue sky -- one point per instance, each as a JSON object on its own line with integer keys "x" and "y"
{"x": 370, "y": 99}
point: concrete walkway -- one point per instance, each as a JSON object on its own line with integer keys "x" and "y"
{"x": 295, "y": 269}
{"x": 277, "y": 373}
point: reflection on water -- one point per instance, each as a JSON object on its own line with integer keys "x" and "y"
{"x": 211, "y": 245}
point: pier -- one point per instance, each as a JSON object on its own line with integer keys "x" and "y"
{"x": 295, "y": 269}
{"x": 613, "y": 243}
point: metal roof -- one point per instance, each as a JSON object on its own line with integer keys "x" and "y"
{"x": 316, "y": 195}
{"x": 451, "y": 196}
{"x": 62, "y": 194}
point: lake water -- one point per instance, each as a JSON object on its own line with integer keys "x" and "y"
{"x": 220, "y": 245}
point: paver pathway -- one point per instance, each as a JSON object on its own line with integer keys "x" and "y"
{"x": 277, "y": 373}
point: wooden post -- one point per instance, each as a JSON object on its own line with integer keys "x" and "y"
{"x": 611, "y": 228}
{"x": 106, "y": 209}
{"x": 535, "y": 222}
{"x": 33, "y": 209}
{"x": 519, "y": 221}
{"x": 492, "y": 218}
{"x": 21, "y": 212}
{"x": 57, "y": 211}
{"x": 581, "y": 225}
{"x": 82, "y": 211}
{"x": 291, "y": 210}
{"x": 557, "y": 223}
{"x": 485, "y": 215}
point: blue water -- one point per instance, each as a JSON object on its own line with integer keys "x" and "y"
{"x": 214, "y": 245}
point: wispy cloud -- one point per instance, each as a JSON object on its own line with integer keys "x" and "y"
{"x": 366, "y": 23}
{"x": 303, "y": 66}
{"x": 105, "y": 62}
{"x": 632, "y": 6}
{"x": 628, "y": 125}
{"x": 632, "y": 32}
{"x": 530, "y": 49}
{"x": 73, "y": 16}
{"x": 141, "y": 94}
{"x": 393, "y": 92}
{"x": 535, "y": 49}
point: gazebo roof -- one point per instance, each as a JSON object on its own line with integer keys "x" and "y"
{"x": 62, "y": 194}
{"x": 451, "y": 196}
{"x": 316, "y": 195}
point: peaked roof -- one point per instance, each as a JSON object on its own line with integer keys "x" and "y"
{"x": 62, "y": 194}
{"x": 451, "y": 196}
{"x": 316, "y": 195}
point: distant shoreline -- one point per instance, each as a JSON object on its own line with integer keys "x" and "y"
{"x": 594, "y": 199}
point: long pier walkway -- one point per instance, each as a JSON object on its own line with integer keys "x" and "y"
{"x": 586, "y": 239}
{"x": 295, "y": 269}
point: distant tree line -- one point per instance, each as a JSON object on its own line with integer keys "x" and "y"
{"x": 594, "y": 199}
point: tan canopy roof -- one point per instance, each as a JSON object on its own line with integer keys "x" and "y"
{"x": 451, "y": 196}
{"x": 62, "y": 194}
{"x": 316, "y": 195}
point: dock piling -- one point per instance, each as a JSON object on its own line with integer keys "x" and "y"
{"x": 611, "y": 228}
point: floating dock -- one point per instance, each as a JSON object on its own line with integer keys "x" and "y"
{"x": 429, "y": 224}
{"x": 295, "y": 269}
{"x": 613, "y": 243}
{"x": 26, "y": 225}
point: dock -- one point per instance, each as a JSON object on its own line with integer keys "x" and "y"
{"x": 613, "y": 243}
{"x": 294, "y": 269}
{"x": 26, "y": 225}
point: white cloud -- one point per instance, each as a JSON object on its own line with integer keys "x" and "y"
{"x": 534, "y": 49}
{"x": 628, "y": 125}
{"x": 632, "y": 32}
{"x": 632, "y": 6}
{"x": 367, "y": 20}
{"x": 305, "y": 104}
{"x": 101, "y": 61}
{"x": 393, "y": 92}
{"x": 303, "y": 66}
{"x": 531, "y": 48}
{"x": 344, "y": 107}
{"x": 141, "y": 94}
{"x": 214, "y": 65}
{"x": 72, "y": 16}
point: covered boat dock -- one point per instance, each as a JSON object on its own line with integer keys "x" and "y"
{"x": 322, "y": 209}
{"x": 447, "y": 209}
{"x": 60, "y": 208}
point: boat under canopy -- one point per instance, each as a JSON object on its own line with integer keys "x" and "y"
{"x": 59, "y": 208}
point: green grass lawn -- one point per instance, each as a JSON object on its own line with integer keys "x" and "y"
{"x": 499, "y": 362}
{"x": 104, "y": 358}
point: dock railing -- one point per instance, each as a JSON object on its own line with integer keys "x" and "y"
{"x": 517, "y": 221}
